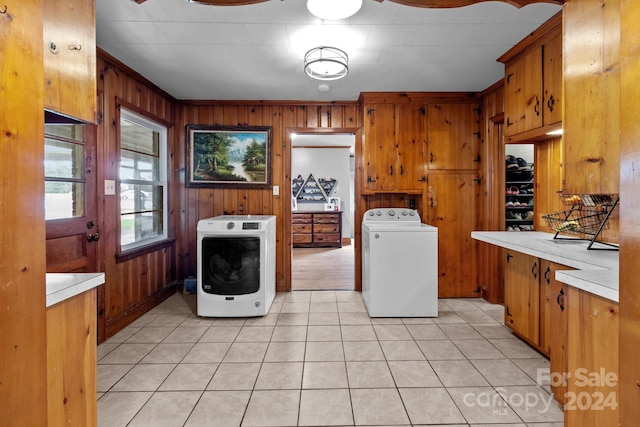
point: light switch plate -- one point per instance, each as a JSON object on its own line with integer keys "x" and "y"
{"x": 276, "y": 190}
{"x": 109, "y": 187}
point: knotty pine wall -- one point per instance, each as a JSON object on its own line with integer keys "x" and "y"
{"x": 137, "y": 282}
{"x": 198, "y": 203}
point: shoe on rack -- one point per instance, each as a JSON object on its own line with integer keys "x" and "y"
{"x": 509, "y": 204}
{"x": 510, "y": 215}
{"x": 512, "y": 162}
{"x": 517, "y": 215}
{"x": 522, "y": 164}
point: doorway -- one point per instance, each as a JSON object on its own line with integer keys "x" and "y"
{"x": 324, "y": 163}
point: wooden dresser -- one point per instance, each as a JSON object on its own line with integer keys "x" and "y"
{"x": 317, "y": 229}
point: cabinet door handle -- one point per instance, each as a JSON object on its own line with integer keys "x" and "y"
{"x": 560, "y": 299}
{"x": 533, "y": 270}
{"x": 550, "y": 103}
{"x": 431, "y": 157}
{"x": 401, "y": 170}
{"x": 546, "y": 275}
{"x": 369, "y": 179}
{"x": 536, "y": 107}
{"x": 391, "y": 170}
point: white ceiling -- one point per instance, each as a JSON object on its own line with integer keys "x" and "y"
{"x": 255, "y": 52}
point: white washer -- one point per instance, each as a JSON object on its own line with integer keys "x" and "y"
{"x": 236, "y": 265}
{"x": 399, "y": 264}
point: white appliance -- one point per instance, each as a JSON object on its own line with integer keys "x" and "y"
{"x": 236, "y": 265}
{"x": 399, "y": 264}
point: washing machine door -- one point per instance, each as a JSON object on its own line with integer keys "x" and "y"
{"x": 231, "y": 265}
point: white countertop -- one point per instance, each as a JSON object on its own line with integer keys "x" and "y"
{"x": 62, "y": 286}
{"x": 596, "y": 270}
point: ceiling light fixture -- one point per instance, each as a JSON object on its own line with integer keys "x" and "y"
{"x": 334, "y": 9}
{"x": 326, "y": 63}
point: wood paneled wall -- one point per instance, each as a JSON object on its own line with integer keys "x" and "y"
{"x": 629, "y": 212}
{"x": 199, "y": 203}
{"x": 23, "y": 374}
{"x": 133, "y": 284}
{"x": 490, "y": 259}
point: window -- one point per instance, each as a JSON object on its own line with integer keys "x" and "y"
{"x": 143, "y": 181}
{"x": 64, "y": 171}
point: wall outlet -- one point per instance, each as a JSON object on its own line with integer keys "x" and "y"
{"x": 109, "y": 187}
{"x": 276, "y": 190}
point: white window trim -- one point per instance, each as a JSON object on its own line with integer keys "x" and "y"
{"x": 163, "y": 145}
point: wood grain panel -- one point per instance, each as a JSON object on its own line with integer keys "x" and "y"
{"x": 592, "y": 348}
{"x": 69, "y": 58}
{"x": 592, "y": 66}
{"x": 23, "y": 374}
{"x": 454, "y": 137}
{"x": 142, "y": 281}
{"x": 71, "y": 361}
{"x": 629, "y": 212}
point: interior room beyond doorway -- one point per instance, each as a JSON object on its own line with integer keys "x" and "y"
{"x": 323, "y": 171}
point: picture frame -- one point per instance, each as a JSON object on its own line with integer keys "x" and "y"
{"x": 294, "y": 204}
{"x": 228, "y": 156}
{"x": 335, "y": 201}
{"x": 329, "y": 207}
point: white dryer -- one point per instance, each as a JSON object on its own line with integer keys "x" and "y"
{"x": 236, "y": 265}
{"x": 399, "y": 264}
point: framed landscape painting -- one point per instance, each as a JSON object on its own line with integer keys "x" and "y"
{"x": 228, "y": 156}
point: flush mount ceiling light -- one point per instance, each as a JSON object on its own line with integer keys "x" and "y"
{"x": 333, "y": 9}
{"x": 326, "y": 63}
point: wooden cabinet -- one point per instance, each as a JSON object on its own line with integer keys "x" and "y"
{"x": 533, "y": 83}
{"x": 394, "y": 148}
{"x": 557, "y": 336}
{"x": 452, "y": 206}
{"x": 453, "y": 136}
{"x": 592, "y": 360}
{"x": 522, "y": 296}
{"x": 592, "y": 82}
{"x": 317, "y": 229}
{"x": 69, "y": 33}
{"x": 71, "y": 361}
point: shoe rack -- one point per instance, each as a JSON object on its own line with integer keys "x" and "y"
{"x": 519, "y": 198}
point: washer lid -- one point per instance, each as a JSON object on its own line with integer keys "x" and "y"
{"x": 398, "y": 227}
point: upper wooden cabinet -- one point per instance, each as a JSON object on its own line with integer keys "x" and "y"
{"x": 69, "y": 32}
{"x": 394, "y": 148}
{"x": 453, "y": 136}
{"x": 592, "y": 82}
{"x": 533, "y": 83}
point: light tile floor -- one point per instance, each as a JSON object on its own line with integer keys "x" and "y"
{"x": 317, "y": 359}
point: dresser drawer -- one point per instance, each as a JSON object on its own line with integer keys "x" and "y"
{"x": 326, "y": 238}
{"x": 302, "y": 218}
{"x": 326, "y": 228}
{"x": 302, "y": 238}
{"x": 301, "y": 228}
{"x": 326, "y": 218}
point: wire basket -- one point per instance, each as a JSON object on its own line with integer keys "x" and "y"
{"x": 577, "y": 221}
{"x": 588, "y": 199}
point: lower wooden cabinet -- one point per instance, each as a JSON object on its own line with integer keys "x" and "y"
{"x": 522, "y": 296}
{"x": 316, "y": 229}
{"x": 592, "y": 360}
{"x": 576, "y": 329}
{"x": 71, "y": 361}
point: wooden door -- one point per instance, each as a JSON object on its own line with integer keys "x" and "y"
{"x": 379, "y": 147}
{"x": 452, "y": 206}
{"x": 558, "y": 311}
{"x": 70, "y": 198}
{"x": 410, "y": 152}
{"x": 552, "y": 78}
{"x": 532, "y": 61}
{"x": 592, "y": 361}
{"x": 513, "y": 96}
{"x": 522, "y": 295}
{"x": 453, "y": 136}
{"x": 69, "y": 32}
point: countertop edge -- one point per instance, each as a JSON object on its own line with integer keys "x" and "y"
{"x": 599, "y": 280}
{"x": 62, "y": 286}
